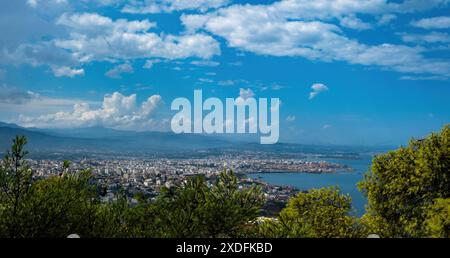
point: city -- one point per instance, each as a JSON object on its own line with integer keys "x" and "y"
{"x": 149, "y": 176}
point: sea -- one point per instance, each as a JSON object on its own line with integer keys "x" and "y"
{"x": 345, "y": 180}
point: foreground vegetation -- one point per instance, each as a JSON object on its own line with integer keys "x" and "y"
{"x": 408, "y": 194}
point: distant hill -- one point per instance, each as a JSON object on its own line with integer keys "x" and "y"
{"x": 85, "y": 132}
{"x": 103, "y": 140}
{"x": 106, "y": 141}
{"x": 2, "y": 124}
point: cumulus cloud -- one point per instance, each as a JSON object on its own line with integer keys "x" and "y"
{"x": 283, "y": 28}
{"x": 442, "y": 22}
{"x": 117, "y": 71}
{"x": 95, "y": 37}
{"x": 158, "y": 6}
{"x": 92, "y": 37}
{"x": 317, "y": 88}
{"x": 92, "y": 24}
{"x": 303, "y": 28}
{"x": 117, "y": 111}
{"x": 323, "y": 8}
{"x": 65, "y": 71}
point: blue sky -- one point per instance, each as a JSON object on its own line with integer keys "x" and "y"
{"x": 372, "y": 72}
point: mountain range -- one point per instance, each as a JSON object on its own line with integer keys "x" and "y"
{"x": 106, "y": 141}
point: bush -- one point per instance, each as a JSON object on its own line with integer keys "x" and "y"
{"x": 196, "y": 210}
{"x": 319, "y": 213}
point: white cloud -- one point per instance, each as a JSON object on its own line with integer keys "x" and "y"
{"x": 18, "y": 101}
{"x": 423, "y": 78}
{"x": 92, "y": 24}
{"x": 35, "y": 3}
{"x": 386, "y": 19}
{"x": 442, "y": 22}
{"x": 205, "y": 63}
{"x": 32, "y": 3}
{"x": 67, "y": 71}
{"x": 301, "y": 28}
{"x": 205, "y": 80}
{"x": 117, "y": 71}
{"x": 95, "y": 37}
{"x": 13, "y": 95}
{"x": 117, "y": 111}
{"x": 246, "y": 93}
{"x": 44, "y": 53}
{"x": 283, "y": 28}
{"x": 353, "y": 22}
{"x": 158, "y": 6}
{"x": 290, "y": 118}
{"x": 327, "y": 126}
{"x": 306, "y": 8}
{"x": 92, "y": 37}
{"x": 227, "y": 83}
{"x": 317, "y": 88}
{"x": 151, "y": 62}
{"x": 432, "y": 37}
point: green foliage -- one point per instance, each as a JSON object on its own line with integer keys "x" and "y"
{"x": 197, "y": 210}
{"x": 15, "y": 182}
{"x": 403, "y": 184}
{"x": 437, "y": 222}
{"x": 52, "y": 207}
{"x": 318, "y": 213}
{"x": 61, "y": 204}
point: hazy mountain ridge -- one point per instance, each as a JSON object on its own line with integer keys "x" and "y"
{"x": 104, "y": 140}
{"x": 99, "y": 140}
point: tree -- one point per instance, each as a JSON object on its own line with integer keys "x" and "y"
{"x": 403, "y": 186}
{"x": 15, "y": 182}
{"x": 196, "y": 210}
{"x": 52, "y": 207}
{"x": 61, "y": 205}
{"x": 437, "y": 222}
{"x": 228, "y": 209}
{"x": 318, "y": 213}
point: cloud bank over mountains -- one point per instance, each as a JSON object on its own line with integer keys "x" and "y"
{"x": 117, "y": 111}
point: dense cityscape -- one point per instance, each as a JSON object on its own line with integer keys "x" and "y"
{"x": 149, "y": 176}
